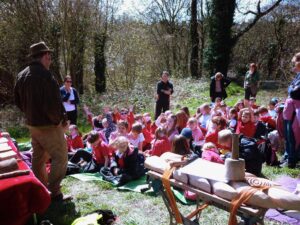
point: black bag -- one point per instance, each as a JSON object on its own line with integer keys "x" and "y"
{"x": 108, "y": 217}
{"x": 141, "y": 168}
{"x": 251, "y": 154}
{"x": 269, "y": 155}
{"x": 72, "y": 168}
{"x": 108, "y": 176}
{"x": 89, "y": 167}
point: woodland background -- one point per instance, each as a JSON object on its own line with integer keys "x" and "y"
{"x": 103, "y": 49}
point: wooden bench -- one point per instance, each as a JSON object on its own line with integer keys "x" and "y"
{"x": 250, "y": 215}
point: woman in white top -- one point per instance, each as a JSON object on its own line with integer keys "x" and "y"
{"x": 70, "y": 99}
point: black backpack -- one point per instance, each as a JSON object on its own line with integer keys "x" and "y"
{"x": 269, "y": 155}
{"x": 253, "y": 157}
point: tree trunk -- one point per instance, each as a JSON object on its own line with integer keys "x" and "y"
{"x": 77, "y": 44}
{"x": 194, "y": 40}
{"x": 219, "y": 36}
{"x": 100, "y": 61}
{"x": 54, "y": 43}
{"x": 202, "y": 38}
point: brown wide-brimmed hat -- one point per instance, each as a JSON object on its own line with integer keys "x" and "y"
{"x": 38, "y": 48}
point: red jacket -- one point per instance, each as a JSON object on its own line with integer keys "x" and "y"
{"x": 100, "y": 152}
{"x": 77, "y": 142}
{"x": 161, "y": 146}
{"x": 269, "y": 120}
{"x": 247, "y": 129}
{"x": 213, "y": 137}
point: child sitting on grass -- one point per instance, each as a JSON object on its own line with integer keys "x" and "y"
{"x": 182, "y": 119}
{"x": 265, "y": 117}
{"x": 122, "y": 128}
{"x": 211, "y": 153}
{"x": 100, "y": 156}
{"x": 218, "y": 124}
{"x": 246, "y": 123}
{"x": 74, "y": 139}
{"x": 252, "y": 103}
{"x": 239, "y": 105}
{"x": 136, "y": 136}
{"x": 125, "y": 162}
{"x": 271, "y": 108}
{"x": 232, "y": 119}
{"x": 198, "y": 137}
{"x": 171, "y": 127}
{"x": 124, "y": 115}
{"x": 161, "y": 143}
{"x": 204, "y": 115}
{"x": 146, "y": 129}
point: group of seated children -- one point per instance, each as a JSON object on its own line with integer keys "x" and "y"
{"x": 120, "y": 138}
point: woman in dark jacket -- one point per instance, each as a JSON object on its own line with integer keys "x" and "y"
{"x": 218, "y": 86}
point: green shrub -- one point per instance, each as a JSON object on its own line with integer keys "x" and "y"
{"x": 234, "y": 89}
{"x": 18, "y": 132}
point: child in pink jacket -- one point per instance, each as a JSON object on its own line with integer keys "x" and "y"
{"x": 211, "y": 153}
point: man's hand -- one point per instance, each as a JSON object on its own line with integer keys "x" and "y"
{"x": 167, "y": 92}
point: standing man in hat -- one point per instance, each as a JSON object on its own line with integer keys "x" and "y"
{"x": 38, "y": 97}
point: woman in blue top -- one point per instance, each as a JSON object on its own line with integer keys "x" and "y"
{"x": 70, "y": 99}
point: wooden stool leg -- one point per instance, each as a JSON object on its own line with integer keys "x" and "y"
{"x": 167, "y": 204}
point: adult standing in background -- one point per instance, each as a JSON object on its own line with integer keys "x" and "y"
{"x": 164, "y": 91}
{"x": 38, "y": 97}
{"x": 70, "y": 99}
{"x": 296, "y": 81}
{"x": 218, "y": 86}
{"x": 291, "y": 119}
{"x": 251, "y": 83}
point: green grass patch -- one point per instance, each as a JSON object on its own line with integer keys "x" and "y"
{"x": 20, "y": 133}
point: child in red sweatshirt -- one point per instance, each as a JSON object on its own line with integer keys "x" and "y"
{"x": 161, "y": 143}
{"x": 246, "y": 123}
{"x": 74, "y": 139}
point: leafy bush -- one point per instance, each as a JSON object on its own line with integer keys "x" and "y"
{"x": 18, "y": 132}
{"x": 234, "y": 89}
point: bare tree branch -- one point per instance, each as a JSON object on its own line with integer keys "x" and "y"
{"x": 259, "y": 14}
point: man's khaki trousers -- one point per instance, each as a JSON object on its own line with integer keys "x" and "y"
{"x": 49, "y": 143}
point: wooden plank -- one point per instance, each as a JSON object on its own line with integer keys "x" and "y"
{"x": 7, "y": 155}
{"x": 199, "y": 168}
{"x": 4, "y": 147}
{"x": 3, "y": 140}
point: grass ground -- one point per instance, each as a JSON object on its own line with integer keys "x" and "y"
{"x": 132, "y": 208}
{"x": 135, "y": 208}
